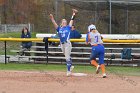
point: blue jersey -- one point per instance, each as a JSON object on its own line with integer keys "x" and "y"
{"x": 64, "y": 33}
{"x": 75, "y": 34}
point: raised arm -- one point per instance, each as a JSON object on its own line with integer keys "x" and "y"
{"x": 53, "y": 21}
{"x": 73, "y": 17}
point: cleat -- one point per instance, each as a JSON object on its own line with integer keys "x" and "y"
{"x": 68, "y": 73}
{"x": 104, "y": 75}
{"x": 98, "y": 69}
{"x": 71, "y": 68}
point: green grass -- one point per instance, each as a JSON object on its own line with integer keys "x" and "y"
{"x": 117, "y": 70}
{"x": 132, "y": 71}
{"x": 32, "y": 67}
{"x": 11, "y": 45}
{"x": 15, "y": 35}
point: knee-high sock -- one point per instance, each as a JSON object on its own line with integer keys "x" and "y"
{"x": 102, "y": 68}
{"x": 68, "y": 66}
{"x": 69, "y": 63}
{"x": 94, "y": 63}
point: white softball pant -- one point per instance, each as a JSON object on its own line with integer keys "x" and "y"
{"x": 66, "y": 49}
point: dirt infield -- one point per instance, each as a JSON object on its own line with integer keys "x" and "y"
{"x": 57, "y": 82}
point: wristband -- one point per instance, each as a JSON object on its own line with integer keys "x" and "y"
{"x": 73, "y": 17}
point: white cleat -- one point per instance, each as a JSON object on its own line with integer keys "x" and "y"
{"x": 98, "y": 69}
{"x": 68, "y": 73}
{"x": 71, "y": 68}
{"x": 104, "y": 75}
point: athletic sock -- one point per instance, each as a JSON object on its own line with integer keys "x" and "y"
{"x": 103, "y": 68}
{"x": 68, "y": 67}
{"x": 94, "y": 63}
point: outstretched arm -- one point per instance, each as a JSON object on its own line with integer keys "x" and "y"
{"x": 87, "y": 39}
{"x": 53, "y": 21}
{"x": 73, "y": 17}
{"x": 102, "y": 37}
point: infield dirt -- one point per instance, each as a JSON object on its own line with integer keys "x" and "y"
{"x": 57, "y": 82}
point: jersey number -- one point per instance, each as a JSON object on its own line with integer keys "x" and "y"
{"x": 63, "y": 34}
{"x": 96, "y": 39}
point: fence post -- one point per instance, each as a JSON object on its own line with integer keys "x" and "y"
{"x": 29, "y": 27}
{"x": 5, "y": 52}
{"x": 5, "y": 28}
{"x": 45, "y": 39}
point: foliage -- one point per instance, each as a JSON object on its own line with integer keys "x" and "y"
{"x": 37, "y": 11}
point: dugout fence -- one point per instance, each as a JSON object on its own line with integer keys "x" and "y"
{"x": 80, "y": 52}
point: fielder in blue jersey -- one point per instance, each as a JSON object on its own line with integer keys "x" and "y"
{"x": 64, "y": 35}
{"x": 95, "y": 39}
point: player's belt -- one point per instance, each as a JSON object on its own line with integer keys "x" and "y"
{"x": 64, "y": 42}
{"x": 96, "y": 44}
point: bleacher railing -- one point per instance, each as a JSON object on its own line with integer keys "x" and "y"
{"x": 5, "y": 40}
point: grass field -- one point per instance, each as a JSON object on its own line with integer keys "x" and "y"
{"x": 132, "y": 71}
{"x": 15, "y": 35}
{"x": 12, "y": 45}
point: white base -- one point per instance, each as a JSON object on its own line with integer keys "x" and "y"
{"x": 79, "y": 74}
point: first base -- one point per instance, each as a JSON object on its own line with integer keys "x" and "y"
{"x": 79, "y": 74}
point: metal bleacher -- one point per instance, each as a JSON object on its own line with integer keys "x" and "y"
{"x": 81, "y": 53}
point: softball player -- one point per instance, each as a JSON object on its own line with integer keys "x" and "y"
{"x": 64, "y": 34}
{"x": 94, "y": 38}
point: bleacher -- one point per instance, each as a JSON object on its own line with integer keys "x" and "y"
{"x": 81, "y": 53}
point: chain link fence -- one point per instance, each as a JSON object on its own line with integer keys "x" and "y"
{"x": 8, "y": 28}
{"x": 11, "y": 56}
{"x": 121, "y": 16}
{"x": 13, "y": 50}
{"x": 110, "y": 16}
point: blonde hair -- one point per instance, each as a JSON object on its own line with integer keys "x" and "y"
{"x": 61, "y": 22}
